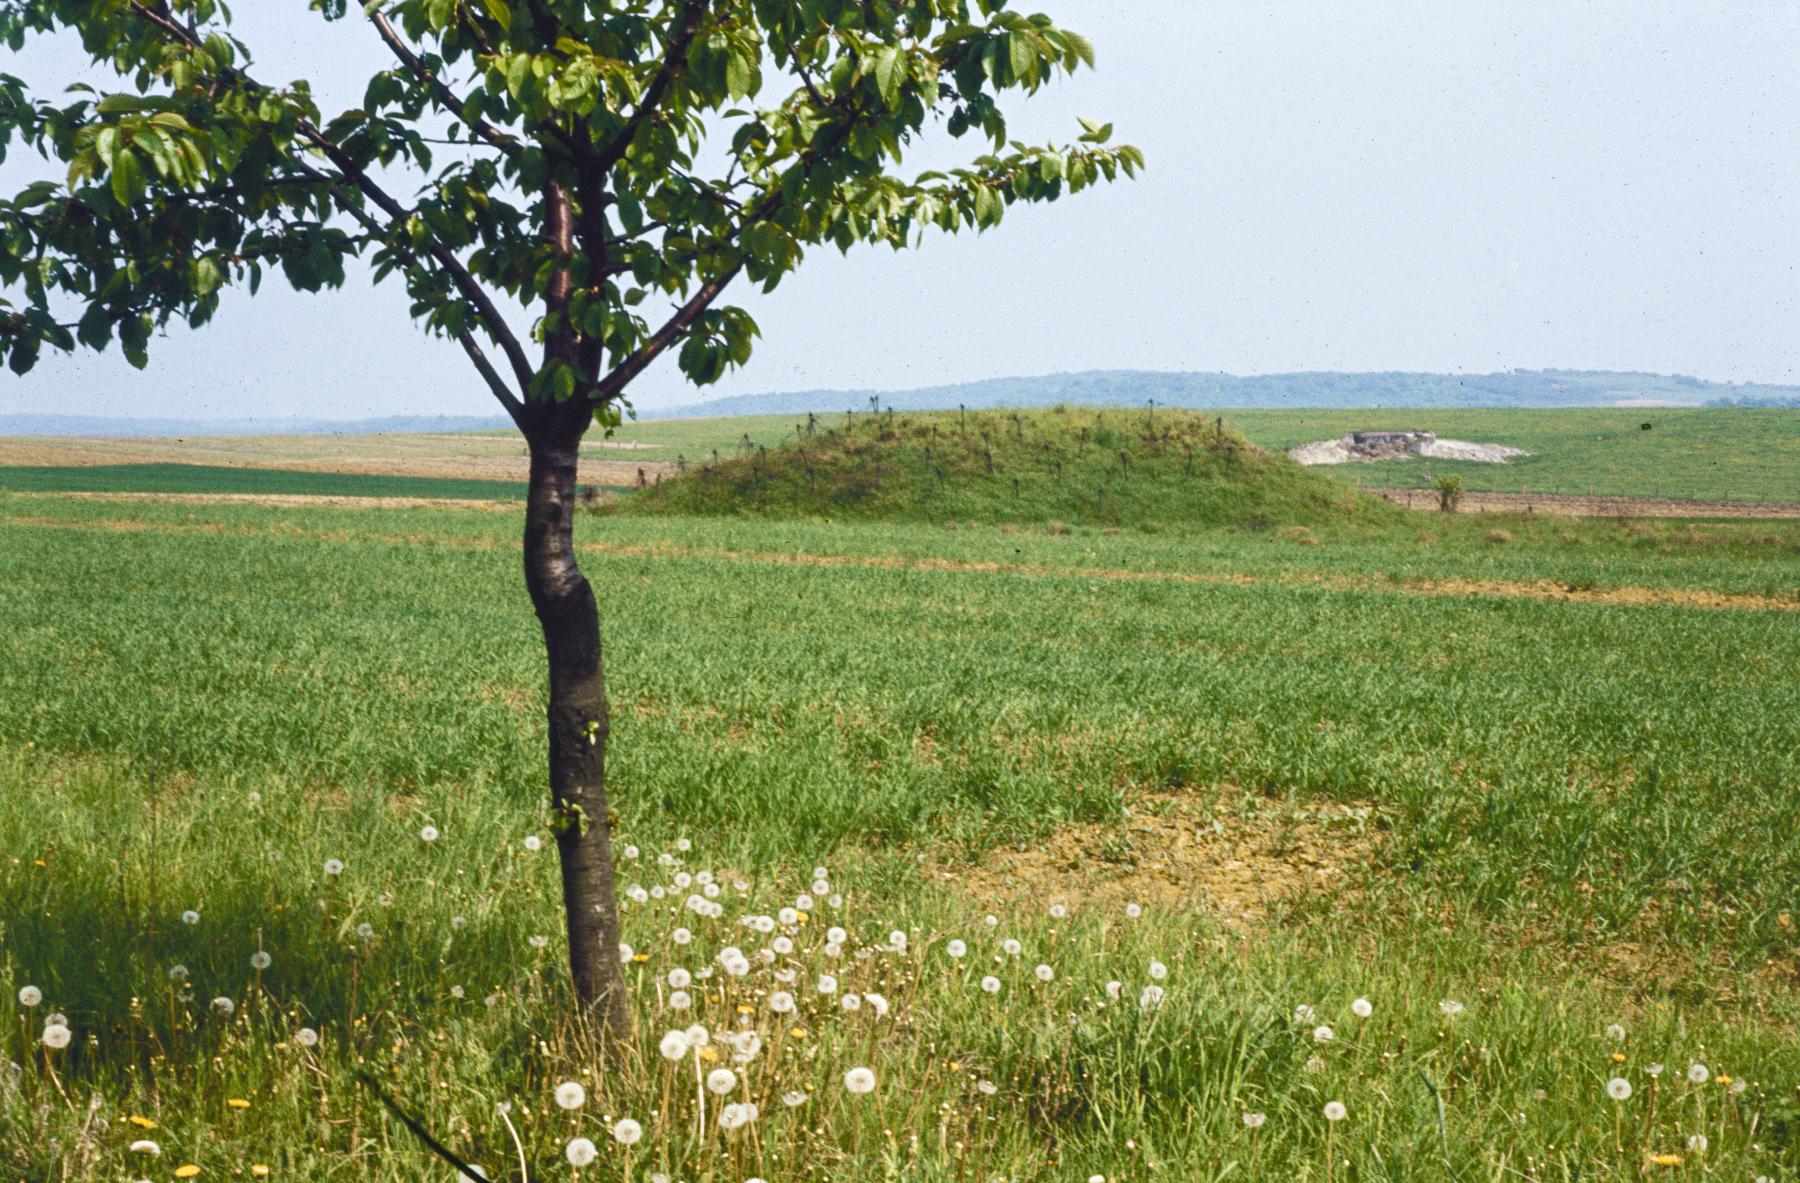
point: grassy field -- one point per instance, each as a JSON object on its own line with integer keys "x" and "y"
{"x": 192, "y": 478}
{"x": 1704, "y": 453}
{"x": 1513, "y": 782}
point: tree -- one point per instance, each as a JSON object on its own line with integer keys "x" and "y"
{"x": 585, "y": 159}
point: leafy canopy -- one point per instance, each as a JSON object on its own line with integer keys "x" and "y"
{"x": 594, "y": 160}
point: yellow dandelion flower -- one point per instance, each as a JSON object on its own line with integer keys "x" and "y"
{"x": 746, "y": 1010}
{"x": 1722, "y": 1078}
{"x": 186, "y": 1170}
{"x": 800, "y": 916}
{"x": 1618, "y": 1057}
{"x": 709, "y": 1052}
{"x": 798, "y": 1033}
{"x": 259, "y": 1169}
{"x": 1666, "y": 1160}
{"x": 237, "y": 1102}
{"x": 142, "y": 1123}
{"x": 640, "y": 958}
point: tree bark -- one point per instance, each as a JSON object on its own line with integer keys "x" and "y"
{"x": 578, "y": 726}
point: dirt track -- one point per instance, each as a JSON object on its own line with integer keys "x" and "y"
{"x": 1579, "y": 506}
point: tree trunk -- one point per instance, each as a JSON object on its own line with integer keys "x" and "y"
{"x": 578, "y": 729}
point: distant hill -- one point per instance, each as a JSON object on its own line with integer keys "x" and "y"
{"x": 1075, "y": 466}
{"x": 1094, "y": 388}
{"x": 1133, "y": 388}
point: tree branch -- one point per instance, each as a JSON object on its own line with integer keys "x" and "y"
{"x": 674, "y": 54}
{"x": 614, "y": 383}
{"x": 440, "y": 90}
{"x": 349, "y": 170}
{"x": 515, "y": 409}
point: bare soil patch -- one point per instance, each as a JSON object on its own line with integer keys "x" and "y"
{"x": 468, "y": 457}
{"x": 1574, "y": 505}
{"x": 1224, "y": 852}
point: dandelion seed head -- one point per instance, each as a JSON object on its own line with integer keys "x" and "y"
{"x": 627, "y": 1132}
{"x": 1698, "y": 1073}
{"x": 860, "y": 1080}
{"x": 428, "y": 833}
{"x": 57, "y": 1036}
{"x": 334, "y": 866}
{"x": 990, "y": 984}
{"x": 190, "y": 917}
{"x": 1616, "y": 1033}
{"x": 306, "y": 1037}
{"x": 1044, "y": 973}
{"x": 533, "y": 843}
{"x": 674, "y": 1045}
{"x": 30, "y": 996}
{"x": 1158, "y": 971}
{"x": 1255, "y": 1120}
{"x": 721, "y": 1081}
{"x": 260, "y": 960}
{"x": 570, "y": 1095}
{"x": 1618, "y": 1088}
{"x": 1362, "y": 1008}
{"x": 581, "y": 1151}
{"x": 224, "y": 1006}
{"x": 1323, "y": 1034}
{"x": 1335, "y": 1111}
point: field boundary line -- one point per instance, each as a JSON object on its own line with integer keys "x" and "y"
{"x": 1589, "y": 505}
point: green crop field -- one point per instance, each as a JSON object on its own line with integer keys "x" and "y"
{"x": 1514, "y": 782}
{"x": 1706, "y": 453}
{"x": 195, "y": 478}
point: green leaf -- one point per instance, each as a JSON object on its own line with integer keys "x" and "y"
{"x": 127, "y": 177}
{"x": 890, "y": 72}
{"x": 501, "y": 11}
{"x": 742, "y": 74}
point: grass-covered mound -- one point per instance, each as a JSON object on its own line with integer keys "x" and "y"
{"x": 1072, "y": 465}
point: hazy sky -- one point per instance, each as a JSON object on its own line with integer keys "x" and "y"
{"x": 1332, "y": 184}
